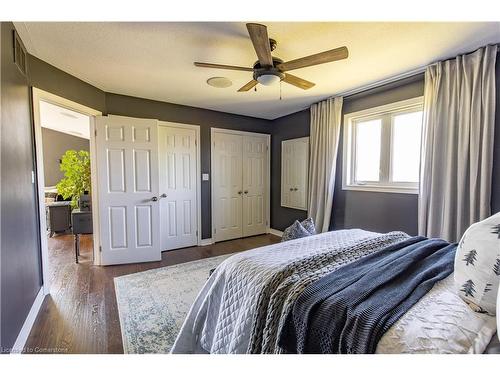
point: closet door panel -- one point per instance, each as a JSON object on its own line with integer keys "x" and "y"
{"x": 254, "y": 185}
{"x": 286, "y": 173}
{"x": 294, "y": 173}
{"x": 178, "y": 182}
{"x": 301, "y": 171}
{"x": 227, "y": 186}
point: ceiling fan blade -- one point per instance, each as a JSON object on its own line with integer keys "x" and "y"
{"x": 319, "y": 58}
{"x": 250, "y": 85}
{"x": 298, "y": 82}
{"x": 260, "y": 40}
{"x": 219, "y": 66}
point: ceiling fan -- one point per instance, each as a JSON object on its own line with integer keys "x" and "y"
{"x": 268, "y": 69}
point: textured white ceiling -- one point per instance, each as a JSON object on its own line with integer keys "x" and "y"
{"x": 155, "y": 60}
{"x": 64, "y": 120}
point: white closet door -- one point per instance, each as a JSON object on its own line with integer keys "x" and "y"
{"x": 227, "y": 186}
{"x": 254, "y": 185}
{"x": 300, "y": 172}
{"x": 178, "y": 196}
{"x": 286, "y": 173}
{"x": 127, "y": 159}
{"x": 294, "y": 172}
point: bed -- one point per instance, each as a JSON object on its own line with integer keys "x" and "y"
{"x": 246, "y": 304}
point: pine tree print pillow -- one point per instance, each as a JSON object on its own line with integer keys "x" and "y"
{"x": 477, "y": 265}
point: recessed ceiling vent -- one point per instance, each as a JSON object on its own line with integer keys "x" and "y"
{"x": 219, "y": 82}
{"x": 19, "y": 54}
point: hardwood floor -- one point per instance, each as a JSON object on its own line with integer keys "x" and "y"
{"x": 81, "y": 315}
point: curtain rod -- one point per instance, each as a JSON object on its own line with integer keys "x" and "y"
{"x": 392, "y": 79}
{"x": 380, "y": 83}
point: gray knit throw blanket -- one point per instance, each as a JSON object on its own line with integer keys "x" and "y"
{"x": 348, "y": 311}
{"x": 278, "y": 295}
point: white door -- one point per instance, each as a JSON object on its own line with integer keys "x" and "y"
{"x": 287, "y": 169}
{"x": 300, "y": 174}
{"x": 129, "y": 215}
{"x": 294, "y": 172}
{"x": 227, "y": 186}
{"x": 255, "y": 162}
{"x": 178, "y": 194}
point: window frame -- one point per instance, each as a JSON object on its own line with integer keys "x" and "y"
{"x": 386, "y": 113}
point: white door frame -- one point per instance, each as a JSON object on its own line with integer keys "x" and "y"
{"x": 40, "y": 95}
{"x": 196, "y": 128}
{"x": 212, "y": 163}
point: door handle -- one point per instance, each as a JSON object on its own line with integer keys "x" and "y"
{"x": 154, "y": 199}
{"x": 163, "y": 195}
{"x": 246, "y": 192}
{"x": 295, "y": 189}
{"x": 291, "y": 189}
{"x": 240, "y": 192}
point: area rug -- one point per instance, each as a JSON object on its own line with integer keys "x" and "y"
{"x": 152, "y": 304}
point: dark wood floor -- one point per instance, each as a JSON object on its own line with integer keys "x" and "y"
{"x": 80, "y": 315}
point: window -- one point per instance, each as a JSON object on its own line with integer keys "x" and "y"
{"x": 382, "y": 148}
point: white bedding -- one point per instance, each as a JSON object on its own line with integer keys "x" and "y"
{"x": 441, "y": 322}
{"x": 220, "y": 320}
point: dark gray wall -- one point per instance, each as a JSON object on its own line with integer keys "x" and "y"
{"x": 137, "y": 107}
{"x": 20, "y": 256}
{"x": 55, "y": 144}
{"x": 48, "y": 78}
{"x": 380, "y": 212}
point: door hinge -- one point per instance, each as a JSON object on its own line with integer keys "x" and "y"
{"x": 100, "y": 249}
{"x": 196, "y": 233}
{"x": 267, "y": 148}
{"x": 215, "y": 230}
{"x": 195, "y": 142}
{"x": 95, "y": 132}
{"x": 267, "y": 223}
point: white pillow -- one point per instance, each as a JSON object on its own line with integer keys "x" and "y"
{"x": 477, "y": 265}
{"x": 439, "y": 323}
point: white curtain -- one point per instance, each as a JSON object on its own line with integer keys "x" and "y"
{"x": 457, "y": 144}
{"x": 324, "y": 142}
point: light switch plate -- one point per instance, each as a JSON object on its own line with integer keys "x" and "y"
{"x": 205, "y": 177}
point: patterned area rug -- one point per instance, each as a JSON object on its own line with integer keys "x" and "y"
{"x": 152, "y": 305}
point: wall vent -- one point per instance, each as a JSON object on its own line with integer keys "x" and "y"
{"x": 20, "y": 54}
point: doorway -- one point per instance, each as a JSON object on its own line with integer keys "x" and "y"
{"x": 67, "y": 189}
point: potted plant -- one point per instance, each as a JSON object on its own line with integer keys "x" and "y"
{"x": 76, "y": 181}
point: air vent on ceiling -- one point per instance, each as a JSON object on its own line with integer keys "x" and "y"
{"x": 19, "y": 54}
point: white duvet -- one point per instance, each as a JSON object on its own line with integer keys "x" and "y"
{"x": 220, "y": 320}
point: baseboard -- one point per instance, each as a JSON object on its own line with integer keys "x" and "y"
{"x": 28, "y": 324}
{"x": 276, "y": 232}
{"x": 206, "y": 242}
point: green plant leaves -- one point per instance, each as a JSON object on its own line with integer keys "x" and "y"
{"x": 76, "y": 168}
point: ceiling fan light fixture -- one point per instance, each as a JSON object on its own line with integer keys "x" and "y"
{"x": 268, "y": 79}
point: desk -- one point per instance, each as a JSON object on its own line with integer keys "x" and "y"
{"x": 81, "y": 224}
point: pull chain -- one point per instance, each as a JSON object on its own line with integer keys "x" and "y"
{"x": 280, "y": 89}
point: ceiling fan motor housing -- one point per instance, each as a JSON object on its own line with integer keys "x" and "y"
{"x": 259, "y": 71}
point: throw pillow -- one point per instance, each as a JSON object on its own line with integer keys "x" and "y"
{"x": 308, "y": 224}
{"x": 296, "y": 230}
{"x": 477, "y": 265}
